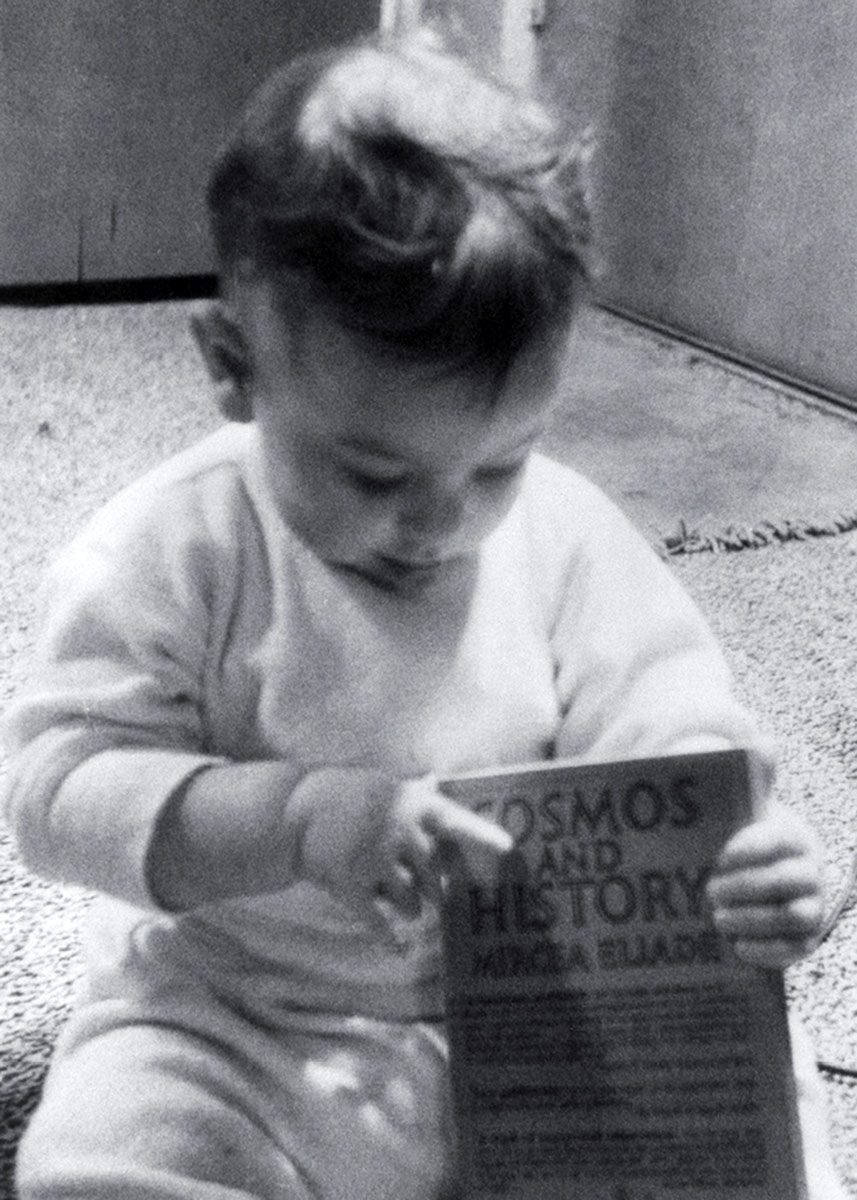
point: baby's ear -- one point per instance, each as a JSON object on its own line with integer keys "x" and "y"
{"x": 224, "y": 352}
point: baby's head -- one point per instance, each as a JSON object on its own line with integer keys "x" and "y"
{"x": 421, "y": 204}
{"x": 398, "y": 237}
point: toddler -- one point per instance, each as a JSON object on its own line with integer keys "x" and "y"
{"x": 259, "y": 657}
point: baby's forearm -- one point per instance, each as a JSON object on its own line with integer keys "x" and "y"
{"x": 224, "y": 835}
{"x": 246, "y": 829}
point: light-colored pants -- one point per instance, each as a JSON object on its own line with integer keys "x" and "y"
{"x": 341, "y": 1109}
{"x": 181, "y": 1097}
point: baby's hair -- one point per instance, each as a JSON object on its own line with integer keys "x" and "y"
{"x": 427, "y": 206}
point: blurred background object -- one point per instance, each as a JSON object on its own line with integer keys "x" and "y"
{"x": 725, "y": 178}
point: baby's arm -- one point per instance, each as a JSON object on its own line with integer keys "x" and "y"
{"x": 640, "y": 674}
{"x": 766, "y": 891}
{"x": 248, "y": 828}
{"x": 114, "y": 785}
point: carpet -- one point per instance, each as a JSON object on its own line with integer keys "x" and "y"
{"x": 785, "y": 615}
{"x": 89, "y": 398}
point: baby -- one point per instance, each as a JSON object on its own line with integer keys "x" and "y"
{"x": 258, "y": 657}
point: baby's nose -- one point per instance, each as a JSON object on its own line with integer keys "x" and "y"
{"x": 434, "y": 511}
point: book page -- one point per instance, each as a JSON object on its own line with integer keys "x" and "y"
{"x": 605, "y": 1041}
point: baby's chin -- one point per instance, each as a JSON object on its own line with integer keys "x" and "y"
{"x": 407, "y": 578}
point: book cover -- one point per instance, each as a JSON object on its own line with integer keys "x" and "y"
{"x": 605, "y": 1042}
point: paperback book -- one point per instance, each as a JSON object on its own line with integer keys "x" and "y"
{"x": 605, "y": 1042}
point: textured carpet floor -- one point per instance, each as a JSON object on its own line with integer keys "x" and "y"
{"x": 90, "y": 397}
{"x": 785, "y": 615}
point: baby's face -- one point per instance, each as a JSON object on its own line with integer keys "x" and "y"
{"x": 392, "y": 472}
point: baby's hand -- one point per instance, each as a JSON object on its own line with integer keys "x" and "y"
{"x": 376, "y": 843}
{"x": 766, "y": 890}
{"x": 422, "y": 830}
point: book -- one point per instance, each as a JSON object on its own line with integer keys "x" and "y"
{"x": 605, "y": 1042}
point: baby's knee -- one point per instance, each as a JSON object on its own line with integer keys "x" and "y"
{"x": 120, "y": 1119}
{"x": 130, "y": 1156}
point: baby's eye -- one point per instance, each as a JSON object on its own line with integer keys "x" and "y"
{"x": 373, "y": 485}
{"x": 500, "y": 474}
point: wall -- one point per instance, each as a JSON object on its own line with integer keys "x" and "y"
{"x": 726, "y": 180}
{"x": 110, "y": 113}
{"x": 729, "y": 170}
{"x": 726, "y": 177}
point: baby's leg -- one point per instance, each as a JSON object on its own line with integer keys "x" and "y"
{"x": 143, "y": 1112}
{"x": 823, "y": 1182}
{"x": 331, "y": 1110}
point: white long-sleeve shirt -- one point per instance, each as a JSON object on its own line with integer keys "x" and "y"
{"x": 188, "y": 626}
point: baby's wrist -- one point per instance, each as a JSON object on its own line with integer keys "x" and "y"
{"x": 336, "y": 819}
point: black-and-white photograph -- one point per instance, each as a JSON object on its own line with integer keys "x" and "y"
{"x": 428, "y": 606}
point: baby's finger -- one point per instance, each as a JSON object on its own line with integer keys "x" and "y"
{"x": 419, "y": 853}
{"x": 773, "y": 953}
{"x": 402, "y": 889}
{"x": 763, "y": 842}
{"x": 479, "y": 840}
{"x": 800, "y": 919}
{"x": 380, "y": 914}
{"x": 452, "y": 821}
{"x": 774, "y": 883}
